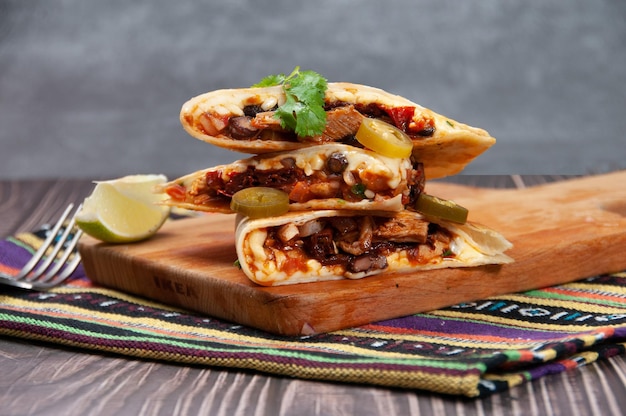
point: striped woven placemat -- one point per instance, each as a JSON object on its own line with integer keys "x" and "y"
{"x": 471, "y": 349}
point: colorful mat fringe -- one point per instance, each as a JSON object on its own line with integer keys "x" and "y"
{"x": 473, "y": 349}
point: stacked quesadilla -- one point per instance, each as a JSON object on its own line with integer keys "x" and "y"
{"x": 334, "y": 187}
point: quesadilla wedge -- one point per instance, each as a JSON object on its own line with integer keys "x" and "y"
{"x": 244, "y": 120}
{"x": 328, "y": 176}
{"x": 300, "y": 247}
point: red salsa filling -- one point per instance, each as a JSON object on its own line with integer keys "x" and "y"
{"x": 326, "y": 183}
{"x": 239, "y": 128}
{"x": 341, "y": 241}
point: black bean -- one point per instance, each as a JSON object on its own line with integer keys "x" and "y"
{"x": 335, "y": 259}
{"x": 252, "y": 110}
{"x": 240, "y": 127}
{"x": 426, "y": 132}
{"x": 288, "y": 162}
{"x": 367, "y": 262}
{"x": 337, "y": 163}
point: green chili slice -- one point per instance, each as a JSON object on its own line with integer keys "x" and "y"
{"x": 260, "y": 202}
{"x": 431, "y": 206}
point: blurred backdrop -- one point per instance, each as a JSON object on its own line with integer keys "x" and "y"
{"x": 93, "y": 88}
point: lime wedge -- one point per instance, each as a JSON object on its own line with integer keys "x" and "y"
{"x": 124, "y": 210}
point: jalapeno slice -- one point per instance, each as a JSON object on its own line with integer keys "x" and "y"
{"x": 431, "y": 206}
{"x": 384, "y": 139}
{"x": 260, "y": 202}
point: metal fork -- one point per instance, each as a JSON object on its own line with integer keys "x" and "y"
{"x": 49, "y": 273}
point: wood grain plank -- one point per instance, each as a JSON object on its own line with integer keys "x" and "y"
{"x": 27, "y": 204}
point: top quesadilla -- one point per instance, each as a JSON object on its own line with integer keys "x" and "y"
{"x": 245, "y": 120}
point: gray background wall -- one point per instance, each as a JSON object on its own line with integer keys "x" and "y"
{"x": 93, "y": 88}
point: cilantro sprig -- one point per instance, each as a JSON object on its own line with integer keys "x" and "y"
{"x": 303, "y": 110}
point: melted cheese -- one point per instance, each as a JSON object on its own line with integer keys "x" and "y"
{"x": 314, "y": 158}
{"x": 472, "y": 244}
{"x": 269, "y": 272}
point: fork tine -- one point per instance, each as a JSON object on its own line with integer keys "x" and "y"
{"x": 28, "y": 267}
{"x": 52, "y": 256}
{"x": 69, "y": 249}
{"x": 67, "y": 271}
{"x": 57, "y": 272}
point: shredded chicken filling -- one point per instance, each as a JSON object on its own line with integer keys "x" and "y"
{"x": 342, "y": 123}
{"x": 356, "y": 244}
{"x": 329, "y": 182}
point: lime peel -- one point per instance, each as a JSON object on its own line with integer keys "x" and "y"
{"x": 124, "y": 210}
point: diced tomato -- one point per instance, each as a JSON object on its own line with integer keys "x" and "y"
{"x": 401, "y": 116}
{"x": 375, "y": 182}
{"x": 294, "y": 264}
{"x": 176, "y": 192}
{"x": 301, "y": 192}
{"x": 403, "y": 119}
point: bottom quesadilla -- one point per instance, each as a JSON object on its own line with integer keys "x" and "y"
{"x": 314, "y": 246}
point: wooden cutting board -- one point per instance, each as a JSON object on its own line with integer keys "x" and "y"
{"x": 561, "y": 232}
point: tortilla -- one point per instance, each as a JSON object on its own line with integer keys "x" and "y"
{"x": 242, "y": 120}
{"x": 301, "y": 247}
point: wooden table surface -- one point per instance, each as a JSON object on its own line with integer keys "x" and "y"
{"x": 43, "y": 379}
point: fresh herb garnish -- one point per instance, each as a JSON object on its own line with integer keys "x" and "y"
{"x": 448, "y": 253}
{"x": 358, "y": 190}
{"x": 303, "y": 110}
